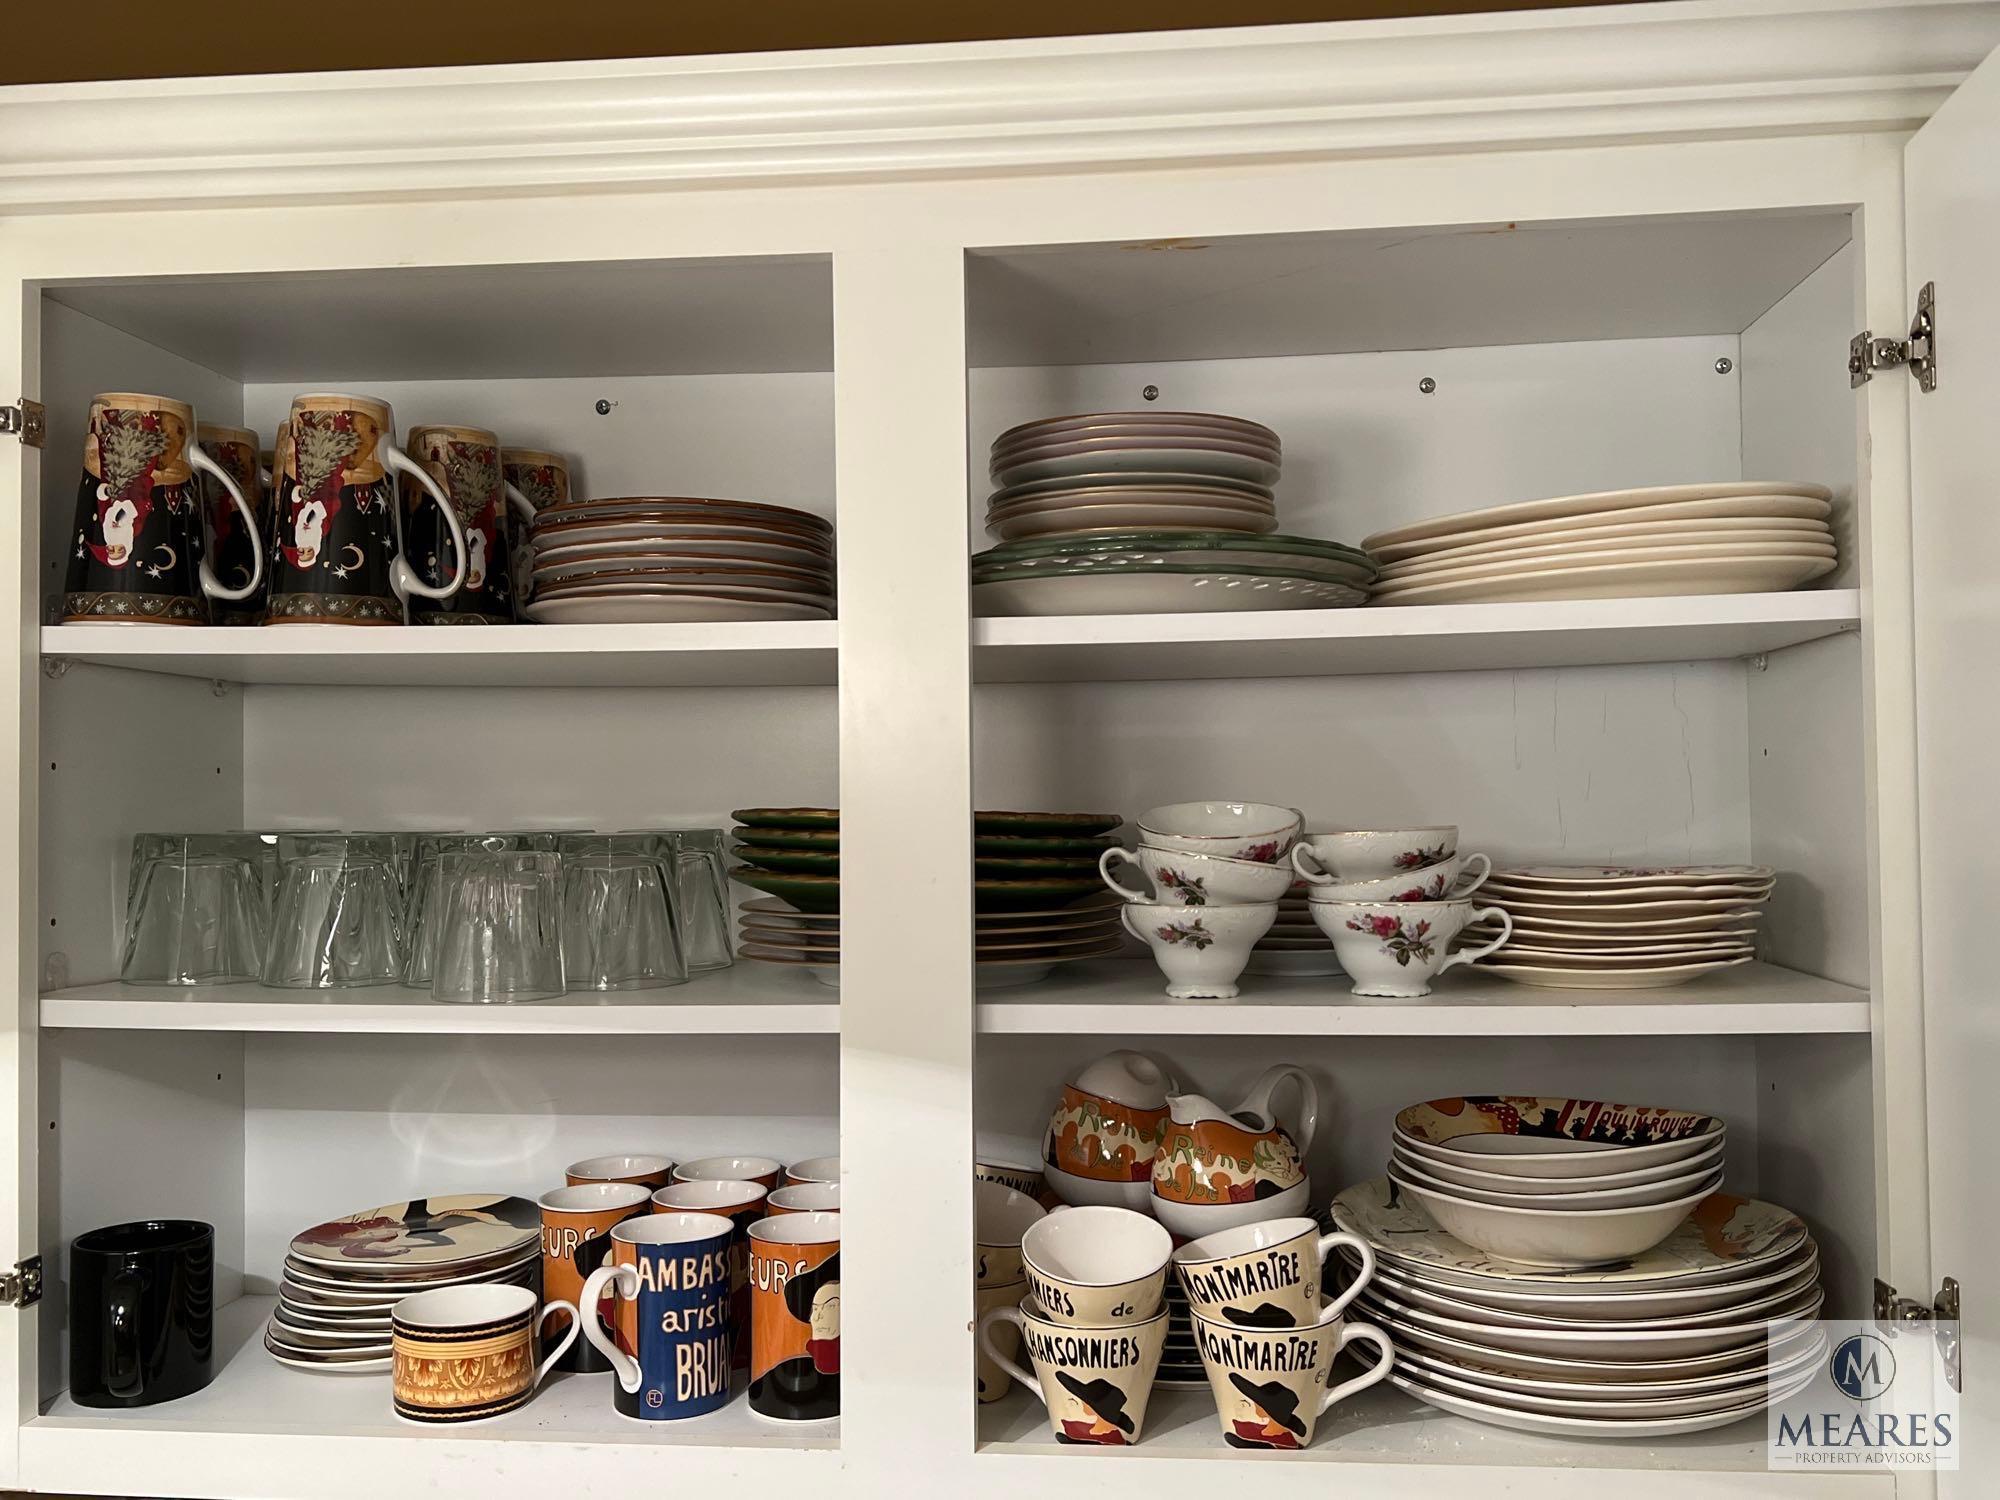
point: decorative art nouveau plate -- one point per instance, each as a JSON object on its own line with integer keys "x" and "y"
{"x": 1726, "y": 1237}
{"x": 1628, "y": 1427}
{"x": 424, "y": 1232}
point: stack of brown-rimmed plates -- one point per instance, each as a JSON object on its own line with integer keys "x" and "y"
{"x": 342, "y": 1279}
{"x": 1133, "y": 470}
{"x": 1727, "y": 538}
{"x": 643, "y": 560}
{"x": 1623, "y": 927}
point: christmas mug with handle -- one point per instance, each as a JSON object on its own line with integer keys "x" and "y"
{"x": 141, "y": 545}
{"x": 337, "y": 549}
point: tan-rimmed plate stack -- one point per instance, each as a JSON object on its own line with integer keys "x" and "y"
{"x": 1710, "y": 1326}
{"x": 1727, "y": 538}
{"x": 342, "y": 1279}
{"x": 646, "y": 560}
{"x": 1133, "y": 470}
{"x": 1294, "y": 944}
{"x": 1623, "y": 927}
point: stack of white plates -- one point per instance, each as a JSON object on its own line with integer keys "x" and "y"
{"x": 1553, "y": 1181}
{"x": 1735, "y": 538}
{"x": 646, "y": 560}
{"x": 1294, "y": 945}
{"x": 1619, "y": 927}
{"x": 342, "y": 1279}
{"x": 1695, "y": 1333}
{"x": 1127, "y": 470}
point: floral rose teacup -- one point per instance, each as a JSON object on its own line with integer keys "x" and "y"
{"x": 1201, "y": 949}
{"x": 1179, "y": 879}
{"x": 1372, "y": 853}
{"x": 1439, "y": 882}
{"x": 1396, "y": 948}
{"x": 1260, "y": 832}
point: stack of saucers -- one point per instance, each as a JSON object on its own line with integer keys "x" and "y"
{"x": 648, "y": 560}
{"x": 1180, "y": 1361}
{"x": 343, "y": 1278}
{"x": 1704, "y": 1329}
{"x": 1624, "y": 927}
{"x": 1116, "y": 470}
{"x": 1294, "y": 945}
{"x": 1728, "y": 538}
{"x": 1166, "y": 572}
{"x": 1036, "y": 893}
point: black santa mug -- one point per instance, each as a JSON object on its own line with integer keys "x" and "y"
{"x": 141, "y": 1312}
{"x": 140, "y": 549}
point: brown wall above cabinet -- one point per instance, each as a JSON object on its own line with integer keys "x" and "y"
{"x": 126, "y": 39}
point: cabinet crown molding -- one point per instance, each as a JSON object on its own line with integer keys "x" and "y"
{"x": 1690, "y": 69}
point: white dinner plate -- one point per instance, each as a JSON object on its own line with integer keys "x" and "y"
{"x": 1635, "y": 580}
{"x": 1612, "y": 549}
{"x": 328, "y": 1366}
{"x": 1632, "y": 958}
{"x": 1156, "y": 593}
{"x": 1586, "y": 532}
{"x": 1600, "y": 503}
{"x": 1713, "y": 1396}
{"x": 1504, "y": 1388}
{"x": 1751, "y": 1309}
{"x": 1555, "y": 1300}
{"x": 1250, "y": 467}
{"x": 1627, "y": 895}
{"x": 1611, "y": 1342}
{"x": 1624, "y": 912}
{"x": 1593, "y": 876}
{"x": 1607, "y": 979}
{"x": 1397, "y": 580}
{"x": 663, "y": 608}
{"x": 1625, "y": 928}
{"x": 1595, "y": 1427}
{"x": 1748, "y": 512}
{"x": 1615, "y": 939}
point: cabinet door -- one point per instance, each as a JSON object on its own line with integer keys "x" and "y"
{"x": 1953, "y": 217}
{"x": 20, "y": 680}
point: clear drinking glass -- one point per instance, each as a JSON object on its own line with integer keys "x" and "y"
{"x": 194, "y": 913}
{"x": 620, "y": 927}
{"x": 499, "y": 926}
{"x": 421, "y": 907}
{"x": 701, "y": 881}
{"x": 338, "y": 917}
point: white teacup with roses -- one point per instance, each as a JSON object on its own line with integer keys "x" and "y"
{"x": 1444, "y": 881}
{"x": 1396, "y": 948}
{"x": 1180, "y": 879}
{"x": 1201, "y": 949}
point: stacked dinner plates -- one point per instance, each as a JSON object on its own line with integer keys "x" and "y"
{"x": 1680, "y": 539}
{"x": 1294, "y": 944}
{"x": 342, "y": 1279}
{"x": 1166, "y": 572}
{"x": 1038, "y": 899}
{"x": 641, "y": 560}
{"x": 1180, "y": 1360}
{"x": 1620, "y": 927}
{"x": 1125, "y": 470}
{"x": 1705, "y": 1329}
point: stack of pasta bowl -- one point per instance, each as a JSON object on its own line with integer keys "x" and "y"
{"x": 1593, "y": 1294}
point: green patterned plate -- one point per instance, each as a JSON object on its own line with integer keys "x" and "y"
{"x": 809, "y": 840}
{"x": 1012, "y": 895}
{"x": 789, "y": 817}
{"x": 817, "y": 893}
{"x": 1031, "y": 869}
{"x": 791, "y": 861}
{"x": 1065, "y": 824}
{"x": 1000, "y": 846}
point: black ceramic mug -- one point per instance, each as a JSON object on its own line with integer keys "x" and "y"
{"x": 141, "y": 1312}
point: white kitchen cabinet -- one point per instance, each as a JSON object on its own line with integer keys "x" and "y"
{"x": 1625, "y": 247}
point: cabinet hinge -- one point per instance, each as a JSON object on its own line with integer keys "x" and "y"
{"x": 1918, "y": 353}
{"x": 1893, "y": 1309}
{"x": 22, "y": 1286}
{"x": 26, "y": 420}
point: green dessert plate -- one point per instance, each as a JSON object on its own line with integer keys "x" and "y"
{"x": 1003, "y": 846}
{"x": 1012, "y": 895}
{"x": 1034, "y": 869}
{"x": 818, "y": 893}
{"x": 791, "y": 861}
{"x": 811, "y": 840}
{"x": 1066, "y": 824}
{"x": 789, "y": 817}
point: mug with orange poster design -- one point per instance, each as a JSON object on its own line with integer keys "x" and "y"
{"x": 576, "y": 1237}
{"x": 795, "y": 1317}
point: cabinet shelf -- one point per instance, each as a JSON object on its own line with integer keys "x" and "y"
{"x": 1123, "y": 997}
{"x": 748, "y": 999}
{"x": 1423, "y": 638}
{"x": 1377, "y": 1436}
{"x": 319, "y": 1431}
{"x": 745, "y": 653}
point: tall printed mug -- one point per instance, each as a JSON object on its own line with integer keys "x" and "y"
{"x": 465, "y": 461}
{"x": 337, "y": 546}
{"x": 140, "y": 548}
{"x": 668, "y": 1341}
{"x": 795, "y": 1317}
{"x": 576, "y": 1239}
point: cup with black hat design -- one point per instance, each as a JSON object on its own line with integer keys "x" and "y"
{"x": 1094, "y": 1380}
